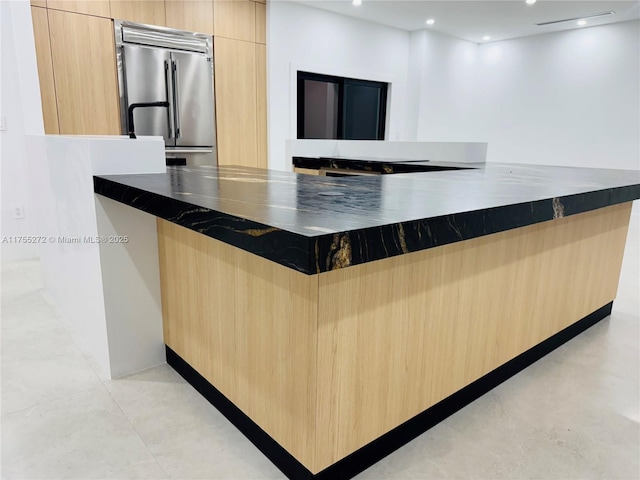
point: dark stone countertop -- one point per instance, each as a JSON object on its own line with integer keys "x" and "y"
{"x": 382, "y": 166}
{"x": 315, "y": 224}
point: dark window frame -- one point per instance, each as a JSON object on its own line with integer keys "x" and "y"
{"x": 340, "y": 81}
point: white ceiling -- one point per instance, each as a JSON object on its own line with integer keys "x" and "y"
{"x": 471, "y": 20}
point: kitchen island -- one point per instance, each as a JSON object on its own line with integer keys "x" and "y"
{"x": 334, "y": 319}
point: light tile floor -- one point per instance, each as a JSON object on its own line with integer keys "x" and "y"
{"x": 573, "y": 414}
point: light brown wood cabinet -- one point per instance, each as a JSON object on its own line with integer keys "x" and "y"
{"x": 99, "y": 8}
{"x": 236, "y": 102}
{"x": 77, "y": 66}
{"x": 190, "y": 15}
{"x": 45, "y": 70}
{"x": 261, "y": 118}
{"x": 84, "y": 68}
{"x": 261, "y": 23}
{"x": 235, "y": 19}
{"x": 151, "y": 12}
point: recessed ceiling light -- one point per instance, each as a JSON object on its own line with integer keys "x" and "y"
{"x": 531, "y": 2}
{"x": 576, "y": 19}
{"x": 357, "y": 3}
{"x": 486, "y": 38}
{"x": 581, "y": 23}
{"x": 430, "y": 21}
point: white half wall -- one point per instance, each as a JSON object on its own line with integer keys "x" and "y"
{"x": 303, "y": 38}
{"x": 66, "y": 218}
{"x": 131, "y": 287}
{"x": 462, "y": 152}
{"x": 568, "y": 98}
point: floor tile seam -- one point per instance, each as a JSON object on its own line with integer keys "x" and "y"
{"x": 55, "y": 323}
{"x": 124, "y": 416}
{"x": 21, "y": 278}
{"x": 133, "y": 427}
{"x": 49, "y": 299}
{"x": 57, "y": 399}
{"x": 95, "y": 372}
{"x": 194, "y": 422}
{"x": 78, "y": 349}
{"x": 8, "y": 297}
{"x": 49, "y": 302}
{"x": 59, "y": 317}
{"x": 12, "y": 318}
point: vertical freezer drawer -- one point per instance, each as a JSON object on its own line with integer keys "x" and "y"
{"x": 193, "y": 99}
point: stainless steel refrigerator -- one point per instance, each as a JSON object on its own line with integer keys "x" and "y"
{"x": 165, "y": 79}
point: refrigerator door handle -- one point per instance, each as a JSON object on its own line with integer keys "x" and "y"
{"x": 176, "y": 99}
{"x": 166, "y": 90}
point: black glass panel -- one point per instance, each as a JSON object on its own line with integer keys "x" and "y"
{"x": 320, "y": 109}
{"x": 361, "y": 112}
{"x": 340, "y": 108}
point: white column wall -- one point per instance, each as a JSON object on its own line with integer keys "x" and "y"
{"x": 21, "y": 113}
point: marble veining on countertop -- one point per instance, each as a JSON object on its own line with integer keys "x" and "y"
{"x": 315, "y": 224}
{"x": 381, "y": 165}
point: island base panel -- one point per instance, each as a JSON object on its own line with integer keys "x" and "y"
{"x": 308, "y": 171}
{"x": 375, "y": 451}
{"x": 329, "y": 366}
{"x": 247, "y": 325}
{"x": 399, "y": 335}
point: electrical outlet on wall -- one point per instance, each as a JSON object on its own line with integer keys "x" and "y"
{"x": 18, "y": 211}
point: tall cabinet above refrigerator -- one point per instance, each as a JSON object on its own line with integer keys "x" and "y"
{"x": 165, "y": 78}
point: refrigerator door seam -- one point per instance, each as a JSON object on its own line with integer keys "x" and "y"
{"x": 176, "y": 98}
{"x": 166, "y": 88}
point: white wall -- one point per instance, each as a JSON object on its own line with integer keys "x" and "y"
{"x": 567, "y": 98}
{"x": 442, "y": 79}
{"x": 308, "y": 39}
{"x": 20, "y": 107}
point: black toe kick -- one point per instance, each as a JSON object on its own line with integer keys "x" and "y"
{"x": 373, "y": 452}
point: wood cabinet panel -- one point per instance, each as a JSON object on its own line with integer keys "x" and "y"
{"x": 84, "y": 68}
{"x": 151, "y": 12}
{"x": 248, "y": 325}
{"x": 45, "y": 70}
{"x": 235, "y": 19}
{"x": 190, "y": 15}
{"x": 236, "y": 103}
{"x": 38, "y": 3}
{"x": 261, "y": 105}
{"x": 398, "y": 335}
{"x": 261, "y": 23}
{"x": 306, "y": 171}
{"x": 100, "y": 8}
